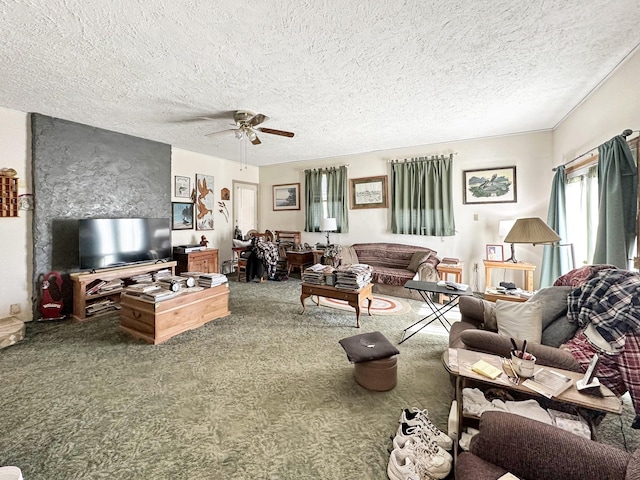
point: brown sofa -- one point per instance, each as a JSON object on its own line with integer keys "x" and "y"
{"x": 394, "y": 264}
{"x": 534, "y": 450}
{"x": 477, "y": 331}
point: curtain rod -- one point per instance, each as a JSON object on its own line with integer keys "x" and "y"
{"x": 625, "y": 133}
{"x": 433, "y": 157}
{"x": 324, "y": 168}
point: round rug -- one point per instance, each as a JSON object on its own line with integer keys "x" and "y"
{"x": 381, "y": 305}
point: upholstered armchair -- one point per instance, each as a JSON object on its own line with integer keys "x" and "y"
{"x": 533, "y": 450}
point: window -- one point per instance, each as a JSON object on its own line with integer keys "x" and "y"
{"x": 326, "y": 196}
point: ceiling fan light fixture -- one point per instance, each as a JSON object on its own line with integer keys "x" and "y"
{"x": 239, "y": 134}
{"x": 252, "y": 135}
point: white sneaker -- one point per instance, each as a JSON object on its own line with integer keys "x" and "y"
{"x": 412, "y": 441}
{"x": 414, "y": 465}
{"x": 416, "y": 417}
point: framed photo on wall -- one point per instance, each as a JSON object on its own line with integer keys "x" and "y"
{"x": 495, "y": 253}
{"x": 369, "y": 192}
{"x": 182, "y": 187}
{"x": 181, "y": 215}
{"x": 205, "y": 202}
{"x": 286, "y": 197}
{"x": 490, "y": 185}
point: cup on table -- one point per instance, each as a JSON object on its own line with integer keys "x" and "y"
{"x": 523, "y": 366}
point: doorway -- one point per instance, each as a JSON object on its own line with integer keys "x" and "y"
{"x": 245, "y": 206}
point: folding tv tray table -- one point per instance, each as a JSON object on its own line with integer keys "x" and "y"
{"x": 426, "y": 289}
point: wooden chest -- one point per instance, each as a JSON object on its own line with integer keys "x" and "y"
{"x": 157, "y": 322}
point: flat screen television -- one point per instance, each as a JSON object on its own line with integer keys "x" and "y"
{"x": 111, "y": 242}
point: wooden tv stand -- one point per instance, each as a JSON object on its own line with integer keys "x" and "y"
{"x": 80, "y": 281}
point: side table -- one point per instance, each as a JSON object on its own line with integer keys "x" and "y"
{"x": 299, "y": 260}
{"x": 527, "y": 268}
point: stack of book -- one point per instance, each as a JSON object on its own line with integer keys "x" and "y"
{"x": 139, "y": 288}
{"x": 317, "y": 274}
{"x": 354, "y": 276}
{"x": 142, "y": 278}
{"x": 158, "y": 295}
{"x": 183, "y": 281}
{"x": 166, "y": 272}
{"x": 94, "y": 286}
{"x": 111, "y": 285}
{"x": 208, "y": 280}
{"x": 102, "y": 306}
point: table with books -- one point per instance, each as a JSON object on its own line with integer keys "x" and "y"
{"x": 553, "y": 384}
{"x": 350, "y": 283}
{"x": 159, "y": 311}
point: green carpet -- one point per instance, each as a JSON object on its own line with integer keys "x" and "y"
{"x": 265, "y": 393}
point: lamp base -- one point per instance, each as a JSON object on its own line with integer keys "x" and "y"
{"x": 513, "y": 255}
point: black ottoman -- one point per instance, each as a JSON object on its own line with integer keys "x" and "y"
{"x": 374, "y": 359}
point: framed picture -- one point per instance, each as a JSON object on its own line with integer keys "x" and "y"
{"x": 495, "y": 253}
{"x": 286, "y": 197}
{"x": 369, "y": 192}
{"x": 204, "y": 201}
{"x": 490, "y": 185}
{"x": 182, "y": 187}
{"x": 181, "y": 215}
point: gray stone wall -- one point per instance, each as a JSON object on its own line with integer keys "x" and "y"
{"x": 86, "y": 172}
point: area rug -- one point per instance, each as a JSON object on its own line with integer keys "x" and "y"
{"x": 381, "y": 305}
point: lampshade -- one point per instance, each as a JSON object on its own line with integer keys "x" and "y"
{"x": 504, "y": 227}
{"x": 531, "y": 230}
{"x": 328, "y": 225}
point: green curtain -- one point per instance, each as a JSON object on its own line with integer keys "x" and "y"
{"x": 555, "y": 259}
{"x": 326, "y": 196}
{"x": 617, "y": 201}
{"x": 421, "y": 197}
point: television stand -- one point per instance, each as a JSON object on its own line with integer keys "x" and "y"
{"x": 80, "y": 280}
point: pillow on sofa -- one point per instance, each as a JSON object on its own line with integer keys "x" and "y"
{"x": 520, "y": 320}
{"x": 553, "y": 301}
{"x": 558, "y": 332}
{"x": 417, "y": 259}
{"x": 241, "y": 243}
{"x": 348, "y": 256}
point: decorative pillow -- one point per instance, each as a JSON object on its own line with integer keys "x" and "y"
{"x": 520, "y": 320}
{"x": 417, "y": 259}
{"x": 241, "y": 243}
{"x": 553, "y": 301}
{"x": 559, "y": 331}
{"x": 348, "y": 256}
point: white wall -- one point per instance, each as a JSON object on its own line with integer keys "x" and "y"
{"x": 612, "y": 108}
{"x": 188, "y": 164}
{"x": 15, "y": 233}
{"x": 530, "y": 153}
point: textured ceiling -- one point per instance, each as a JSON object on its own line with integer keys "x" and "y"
{"x": 347, "y": 77}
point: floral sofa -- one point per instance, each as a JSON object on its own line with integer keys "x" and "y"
{"x": 393, "y": 265}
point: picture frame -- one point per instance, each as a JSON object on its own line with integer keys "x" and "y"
{"x": 490, "y": 185}
{"x": 182, "y": 187}
{"x": 286, "y": 196}
{"x": 181, "y": 215}
{"x": 205, "y": 201}
{"x": 369, "y": 192}
{"x": 495, "y": 253}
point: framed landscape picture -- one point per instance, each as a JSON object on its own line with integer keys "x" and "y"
{"x": 490, "y": 185}
{"x": 369, "y": 192}
{"x": 286, "y": 197}
{"x": 181, "y": 215}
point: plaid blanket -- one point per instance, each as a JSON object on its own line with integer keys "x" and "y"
{"x": 611, "y": 302}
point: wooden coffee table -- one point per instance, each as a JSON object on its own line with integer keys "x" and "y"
{"x": 352, "y": 297}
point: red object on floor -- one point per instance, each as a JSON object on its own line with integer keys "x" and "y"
{"x": 52, "y": 302}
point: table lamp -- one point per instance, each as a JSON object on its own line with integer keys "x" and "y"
{"x": 328, "y": 225}
{"x": 529, "y": 230}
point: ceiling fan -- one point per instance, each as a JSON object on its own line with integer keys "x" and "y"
{"x": 246, "y": 122}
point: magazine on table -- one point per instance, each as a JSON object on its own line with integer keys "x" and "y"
{"x": 548, "y": 382}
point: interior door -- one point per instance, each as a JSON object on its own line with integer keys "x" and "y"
{"x": 245, "y": 206}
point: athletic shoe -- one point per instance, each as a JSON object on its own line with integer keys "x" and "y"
{"x": 413, "y": 465}
{"x": 420, "y": 418}
{"x": 412, "y": 441}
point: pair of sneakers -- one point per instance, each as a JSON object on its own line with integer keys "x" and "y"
{"x": 419, "y": 449}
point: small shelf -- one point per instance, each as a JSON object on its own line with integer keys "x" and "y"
{"x": 8, "y": 197}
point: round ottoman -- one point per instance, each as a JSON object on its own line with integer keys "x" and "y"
{"x": 377, "y": 375}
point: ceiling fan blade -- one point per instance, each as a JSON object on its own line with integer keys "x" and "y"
{"x": 272, "y": 131}
{"x": 257, "y": 119}
{"x": 221, "y": 131}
